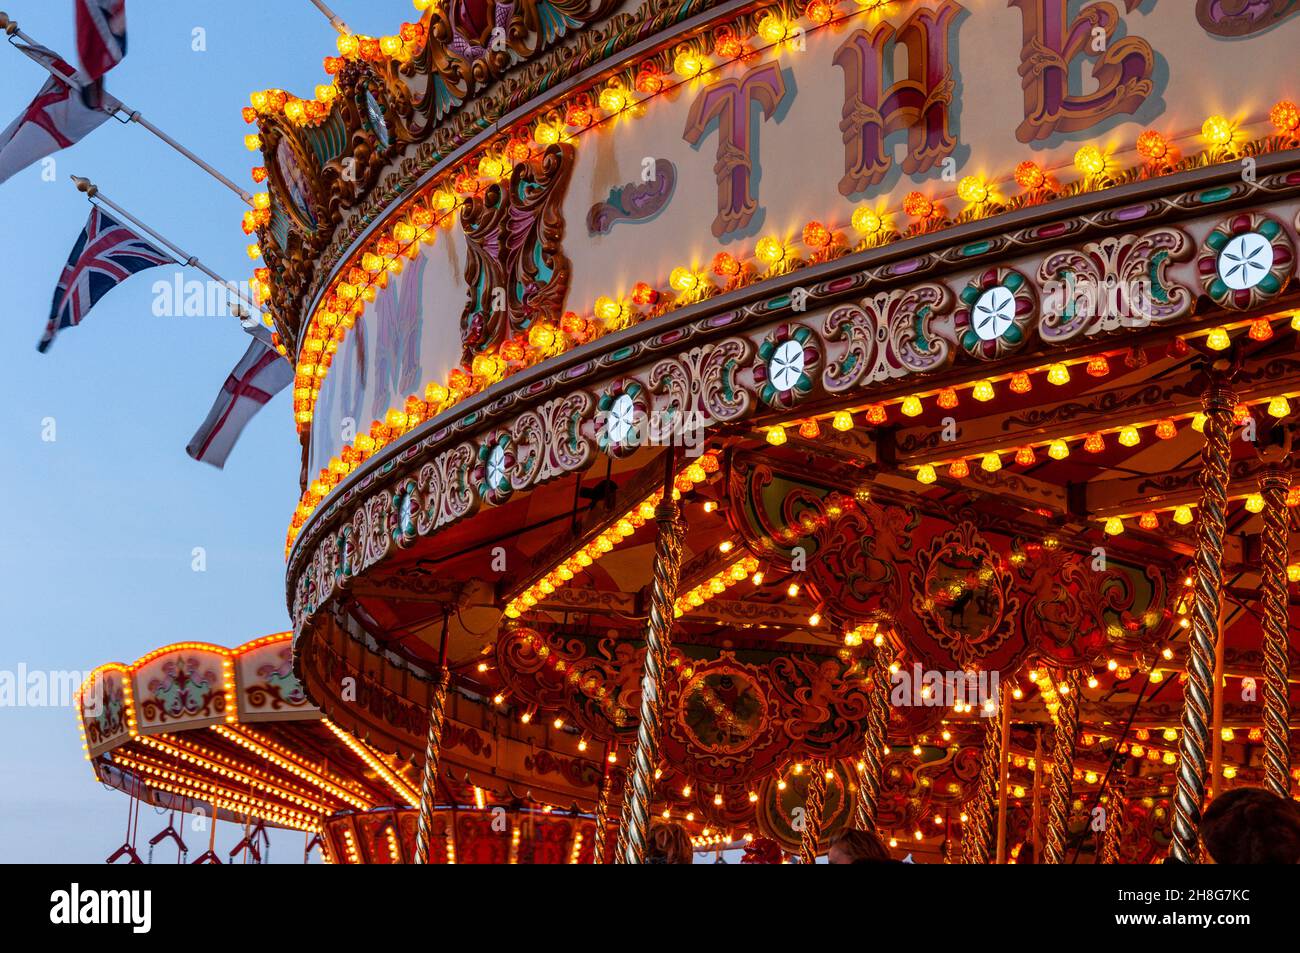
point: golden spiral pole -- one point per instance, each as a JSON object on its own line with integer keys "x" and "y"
{"x": 1273, "y": 484}
{"x": 1113, "y": 833}
{"x": 602, "y": 809}
{"x": 975, "y": 837}
{"x": 429, "y": 778}
{"x": 645, "y": 756}
{"x": 813, "y": 801}
{"x": 1197, "y": 706}
{"x": 866, "y": 807}
{"x": 1067, "y": 726}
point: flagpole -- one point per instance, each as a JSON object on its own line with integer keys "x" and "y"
{"x": 11, "y": 28}
{"x": 243, "y": 308}
{"x": 335, "y": 20}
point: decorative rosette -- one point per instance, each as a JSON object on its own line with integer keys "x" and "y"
{"x": 995, "y": 314}
{"x": 622, "y": 416}
{"x": 491, "y": 474}
{"x": 1245, "y": 261}
{"x": 786, "y": 360}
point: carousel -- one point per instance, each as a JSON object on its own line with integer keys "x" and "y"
{"x": 786, "y": 418}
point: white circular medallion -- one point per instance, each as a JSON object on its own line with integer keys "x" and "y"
{"x": 995, "y": 311}
{"x": 1245, "y": 260}
{"x": 496, "y": 467}
{"x": 619, "y": 422}
{"x": 786, "y": 366}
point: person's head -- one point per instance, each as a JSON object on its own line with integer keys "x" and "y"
{"x": 1252, "y": 826}
{"x": 669, "y": 844}
{"x": 858, "y": 847}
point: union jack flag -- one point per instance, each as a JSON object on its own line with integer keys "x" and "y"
{"x": 101, "y": 35}
{"x": 105, "y": 255}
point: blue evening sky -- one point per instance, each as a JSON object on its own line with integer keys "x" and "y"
{"x": 100, "y": 524}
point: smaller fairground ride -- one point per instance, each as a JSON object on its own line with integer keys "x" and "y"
{"x": 229, "y": 734}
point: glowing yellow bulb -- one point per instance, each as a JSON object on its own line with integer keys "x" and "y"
{"x": 1218, "y": 339}
{"x": 1089, "y": 160}
{"x": 911, "y": 406}
{"x": 972, "y": 190}
{"x": 866, "y": 221}
{"x": 1114, "y": 526}
{"x": 1058, "y": 450}
{"x": 1058, "y": 374}
{"x": 843, "y": 420}
{"x": 1278, "y": 407}
{"x": 1129, "y": 437}
{"x": 1217, "y": 131}
{"x": 925, "y": 474}
{"x": 1254, "y": 503}
{"x": 770, "y": 250}
{"x": 983, "y": 390}
{"x": 1183, "y": 515}
{"x": 613, "y": 99}
{"x": 991, "y": 463}
{"x": 776, "y": 436}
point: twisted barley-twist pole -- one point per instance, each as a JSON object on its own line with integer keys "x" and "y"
{"x": 1113, "y": 833}
{"x": 668, "y": 560}
{"x": 1210, "y": 526}
{"x": 867, "y": 806}
{"x": 602, "y": 810}
{"x": 813, "y": 802}
{"x": 975, "y": 838}
{"x": 1273, "y": 485}
{"x": 1067, "y": 726}
{"x": 429, "y": 779}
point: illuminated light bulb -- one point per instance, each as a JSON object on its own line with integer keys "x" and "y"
{"x": 1098, "y": 366}
{"x": 1240, "y": 413}
{"x": 1114, "y": 526}
{"x": 911, "y": 406}
{"x": 876, "y": 414}
{"x": 1198, "y": 423}
{"x": 843, "y": 420}
{"x": 972, "y": 190}
{"x": 1149, "y": 520}
{"x": 816, "y": 235}
{"x": 757, "y": 578}
{"x": 1129, "y": 437}
{"x": 1254, "y": 503}
{"x": 1025, "y": 456}
{"x": 1182, "y": 514}
{"x": 925, "y": 474}
{"x": 959, "y": 470}
{"x": 947, "y": 398}
{"x": 866, "y": 221}
{"x": 1261, "y": 329}
{"x": 613, "y": 99}
{"x": 815, "y": 619}
{"x": 1152, "y": 146}
{"x": 1094, "y": 443}
{"x": 1293, "y": 572}
{"x": 1030, "y": 176}
{"x": 772, "y": 28}
{"x": 683, "y": 280}
{"x": 1058, "y": 450}
{"x": 770, "y": 250}
{"x": 546, "y": 134}
{"x": 1217, "y": 131}
{"x": 1089, "y": 160}
{"x": 1218, "y": 339}
{"x": 252, "y": 142}
{"x": 347, "y": 44}
{"x": 607, "y": 309}
{"x": 982, "y": 391}
{"x": 991, "y": 463}
{"x": 254, "y": 251}
{"x": 1278, "y": 407}
{"x": 917, "y": 205}
{"x": 792, "y": 590}
{"x": 1058, "y": 374}
{"x": 1020, "y": 383}
{"x": 687, "y": 65}
{"x": 1166, "y": 429}
{"x": 810, "y": 429}
{"x": 917, "y": 750}
{"x": 1285, "y": 117}
{"x": 776, "y": 436}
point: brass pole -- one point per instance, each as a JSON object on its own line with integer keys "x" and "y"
{"x": 976, "y": 836}
{"x": 602, "y": 808}
{"x": 1067, "y": 726}
{"x": 429, "y": 778}
{"x": 1037, "y": 816}
{"x": 1113, "y": 833}
{"x": 1277, "y": 703}
{"x": 1004, "y": 709}
{"x": 663, "y": 593}
{"x": 867, "y": 806}
{"x": 814, "y": 800}
{"x": 1210, "y": 528}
